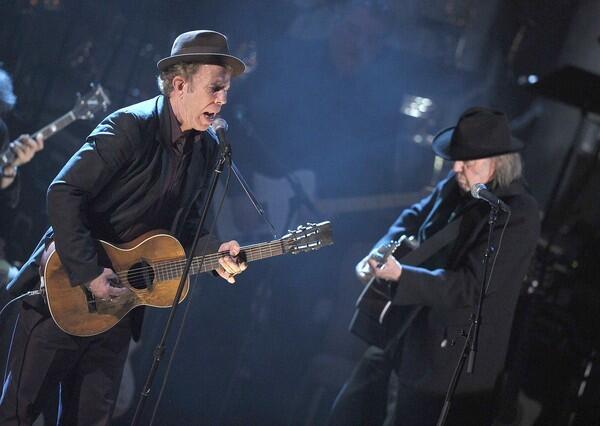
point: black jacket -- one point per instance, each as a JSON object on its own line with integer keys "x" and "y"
{"x": 111, "y": 183}
{"x": 448, "y": 287}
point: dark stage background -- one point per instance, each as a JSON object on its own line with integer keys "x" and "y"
{"x": 333, "y": 122}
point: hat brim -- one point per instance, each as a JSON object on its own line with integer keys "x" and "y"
{"x": 443, "y": 147}
{"x": 237, "y": 65}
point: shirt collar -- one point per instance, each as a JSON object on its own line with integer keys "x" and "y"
{"x": 176, "y": 132}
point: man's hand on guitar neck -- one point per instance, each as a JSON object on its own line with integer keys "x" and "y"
{"x": 379, "y": 265}
{"x": 102, "y": 288}
{"x": 24, "y": 148}
{"x": 231, "y": 265}
{"x": 389, "y": 271}
{"x": 363, "y": 271}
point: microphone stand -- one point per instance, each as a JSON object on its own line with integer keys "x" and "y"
{"x": 255, "y": 203}
{"x": 300, "y": 196}
{"x": 224, "y": 157}
{"x": 470, "y": 347}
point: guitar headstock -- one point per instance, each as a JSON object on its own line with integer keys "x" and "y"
{"x": 311, "y": 236}
{"x": 89, "y": 104}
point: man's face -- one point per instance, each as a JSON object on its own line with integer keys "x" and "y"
{"x": 470, "y": 172}
{"x": 200, "y": 99}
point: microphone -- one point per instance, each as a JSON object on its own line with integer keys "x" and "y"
{"x": 481, "y": 192}
{"x": 220, "y": 126}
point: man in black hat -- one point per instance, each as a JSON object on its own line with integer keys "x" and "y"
{"x": 144, "y": 167}
{"x": 431, "y": 304}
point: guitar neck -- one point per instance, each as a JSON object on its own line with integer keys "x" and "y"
{"x": 56, "y": 126}
{"x": 169, "y": 270}
{"x": 8, "y": 155}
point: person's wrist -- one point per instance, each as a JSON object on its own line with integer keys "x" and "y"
{"x": 9, "y": 171}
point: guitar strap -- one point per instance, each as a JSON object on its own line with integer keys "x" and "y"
{"x": 434, "y": 244}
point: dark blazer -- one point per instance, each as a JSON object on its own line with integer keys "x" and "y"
{"x": 448, "y": 288}
{"x": 108, "y": 187}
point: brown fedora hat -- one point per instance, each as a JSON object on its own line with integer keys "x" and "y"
{"x": 480, "y": 133}
{"x": 204, "y": 46}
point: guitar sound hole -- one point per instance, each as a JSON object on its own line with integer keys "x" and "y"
{"x": 140, "y": 275}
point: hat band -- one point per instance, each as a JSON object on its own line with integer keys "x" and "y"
{"x": 206, "y": 50}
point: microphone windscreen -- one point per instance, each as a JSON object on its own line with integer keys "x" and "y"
{"x": 476, "y": 188}
{"x": 219, "y": 124}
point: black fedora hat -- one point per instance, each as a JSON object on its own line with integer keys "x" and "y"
{"x": 204, "y": 46}
{"x": 480, "y": 133}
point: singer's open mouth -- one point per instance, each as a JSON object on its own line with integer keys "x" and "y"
{"x": 210, "y": 115}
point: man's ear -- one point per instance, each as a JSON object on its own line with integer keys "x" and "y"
{"x": 178, "y": 83}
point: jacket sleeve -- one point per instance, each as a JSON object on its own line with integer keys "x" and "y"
{"x": 410, "y": 220}
{"x": 460, "y": 287}
{"x": 107, "y": 150}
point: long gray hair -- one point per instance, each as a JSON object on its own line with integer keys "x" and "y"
{"x": 509, "y": 167}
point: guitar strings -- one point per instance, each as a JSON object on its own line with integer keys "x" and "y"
{"x": 175, "y": 266}
{"x": 168, "y": 268}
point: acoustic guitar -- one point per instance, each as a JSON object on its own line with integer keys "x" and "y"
{"x": 372, "y": 320}
{"x": 150, "y": 267}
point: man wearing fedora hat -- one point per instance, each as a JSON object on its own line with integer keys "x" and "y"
{"x": 144, "y": 167}
{"x": 432, "y": 303}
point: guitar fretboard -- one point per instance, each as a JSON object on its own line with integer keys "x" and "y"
{"x": 56, "y": 126}
{"x": 8, "y": 156}
{"x": 170, "y": 270}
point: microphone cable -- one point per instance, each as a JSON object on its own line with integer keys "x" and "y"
{"x": 12, "y": 336}
{"x": 22, "y": 296}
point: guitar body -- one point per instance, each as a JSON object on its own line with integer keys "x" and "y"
{"x": 375, "y": 299}
{"x": 77, "y": 312}
{"x": 370, "y": 319}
